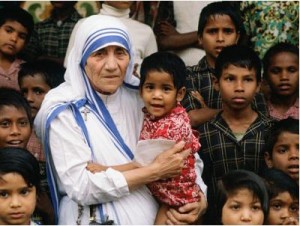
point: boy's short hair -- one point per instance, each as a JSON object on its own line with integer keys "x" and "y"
{"x": 239, "y": 56}
{"x": 278, "y": 181}
{"x": 240, "y": 179}
{"x": 14, "y": 13}
{"x": 21, "y": 161}
{"x": 12, "y": 97}
{"x": 165, "y": 62}
{"x": 289, "y": 124}
{"x": 278, "y": 48}
{"x": 51, "y": 71}
{"x": 220, "y": 8}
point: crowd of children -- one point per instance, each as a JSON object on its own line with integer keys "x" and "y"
{"x": 237, "y": 112}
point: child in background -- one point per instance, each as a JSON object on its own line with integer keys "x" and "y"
{"x": 35, "y": 80}
{"x": 282, "y": 147}
{"x": 234, "y": 138}
{"x": 284, "y": 198}
{"x": 220, "y": 25}
{"x": 15, "y": 131}
{"x": 242, "y": 198}
{"x": 15, "y": 119}
{"x": 19, "y": 186}
{"x": 281, "y": 72}
{"x": 162, "y": 87}
{"x": 16, "y": 26}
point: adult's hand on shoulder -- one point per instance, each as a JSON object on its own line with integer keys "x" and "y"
{"x": 188, "y": 214}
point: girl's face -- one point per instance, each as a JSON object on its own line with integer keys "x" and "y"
{"x": 17, "y": 200}
{"x": 285, "y": 154}
{"x": 282, "y": 209}
{"x": 159, "y": 93}
{"x": 34, "y": 88}
{"x": 242, "y": 207}
{"x": 15, "y": 129}
{"x": 283, "y": 74}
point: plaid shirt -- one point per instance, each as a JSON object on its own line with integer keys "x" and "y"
{"x": 221, "y": 152}
{"x": 51, "y": 38}
{"x": 200, "y": 78}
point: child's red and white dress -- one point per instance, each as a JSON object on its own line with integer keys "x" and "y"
{"x": 175, "y": 126}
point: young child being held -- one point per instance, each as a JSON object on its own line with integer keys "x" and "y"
{"x": 282, "y": 147}
{"x": 242, "y": 198}
{"x": 281, "y": 72}
{"x": 235, "y": 137}
{"x": 162, "y": 87}
{"x": 16, "y": 26}
{"x": 283, "y": 196}
{"x": 19, "y": 186}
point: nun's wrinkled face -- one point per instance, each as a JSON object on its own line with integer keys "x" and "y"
{"x": 106, "y": 68}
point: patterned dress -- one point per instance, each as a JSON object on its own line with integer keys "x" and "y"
{"x": 175, "y": 126}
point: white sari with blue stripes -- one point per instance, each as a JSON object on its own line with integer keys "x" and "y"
{"x": 70, "y": 142}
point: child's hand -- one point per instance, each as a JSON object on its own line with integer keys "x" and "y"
{"x": 95, "y": 167}
{"x": 199, "y": 98}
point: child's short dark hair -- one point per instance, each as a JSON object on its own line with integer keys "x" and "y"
{"x": 239, "y": 56}
{"x": 278, "y": 48}
{"x": 51, "y": 71}
{"x": 14, "y": 13}
{"x": 165, "y": 62}
{"x": 278, "y": 181}
{"x": 289, "y": 124}
{"x": 12, "y": 97}
{"x": 219, "y": 8}
{"x": 240, "y": 179}
{"x": 21, "y": 161}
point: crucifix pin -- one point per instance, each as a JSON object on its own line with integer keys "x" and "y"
{"x": 85, "y": 111}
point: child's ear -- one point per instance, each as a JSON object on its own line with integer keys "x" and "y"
{"x": 180, "y": 94}
{"x": 215, "y": 83}
{"x": 200, "y": 40}
{"x": 237, "y": 38}
{"x": 258, "y": 87}
{"x": 268, "y": 160}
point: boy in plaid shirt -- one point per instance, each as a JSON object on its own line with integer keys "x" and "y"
{"x": 234, "y": 138}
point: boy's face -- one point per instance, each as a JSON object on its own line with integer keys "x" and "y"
{"x": 219, "y": 32}
{"x": 13, "y": 38}
{"x": 15, "y": 128}
{"x": 159, "y": 93}
{"x": 285, "y": 154}
{"x": 242, "y": 208}
{"x": 17, "y": 200}
{"x": 282, "y": 208}
{"x": 34, "y": 88}
{"x": 283, "y": 74}
{"x": 237, "y": 87}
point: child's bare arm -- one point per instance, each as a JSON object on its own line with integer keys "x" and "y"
{"x": 95, "y": 167}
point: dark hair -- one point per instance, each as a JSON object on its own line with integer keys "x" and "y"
{"x": 165, "y": 62}
{"x": 289, "y": 124}
{"x": 239, "y": 56}
{"x": 220, "y": 8}
{"x": 14, "y": 13}
{"x": 21, "y": 161}
{"x": 278, "y": 181}
{"x": 274, "y": 50}
{"x": 240, "y": 179}
{"x": 51, "y": 71}
{"x": 12, "y": 97}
